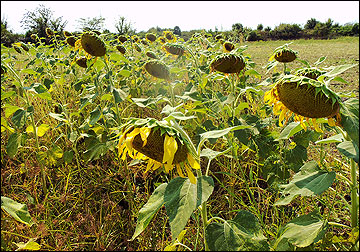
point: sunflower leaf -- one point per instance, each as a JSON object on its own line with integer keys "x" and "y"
{"x": 147, "y": 212}
{"x": 17, "y": 210}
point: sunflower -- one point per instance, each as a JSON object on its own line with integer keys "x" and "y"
{"x": 228, "y": 46}
{"x": 306, "y": 99}
{"x": 284, "y": 54}
{"x": 169, "y": 36}
{"x": 157, "y": 69}
{"x": 228, "y": 63}
{"x": 150, "y": 37}
{"x": 174, "y": 49}
{"x": 49, "y": 32}
{"x": 92, "y": 44}
{"x": 160, "y": 144}
{"x": 135, "y": 38}
{"x": 121, "y": 49}
{"x": 122, "y": 38}
{"x": 71, "y": 41}
{"x": 82, "y": 62}
{"x": 17, "y": 48}
{"x": 151, "y": 54}
{"x": 310, "y": 72}
{"x": 67, "y": 34}
{"x": 162, "y": 40}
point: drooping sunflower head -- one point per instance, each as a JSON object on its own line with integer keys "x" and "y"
{"x": 228, "y": 46}
{"x": 34, "y": 36}
{"x": 24, "y": 46}
{"x": 150, "y": 37}
{"x": 122, "y": 38}
{"x": 67, "y": 34}
{"x": 92, "y": 44}
{"x": 310, "y": 72}
{"x": 305, "y": 98}
{"x": 121, "y": 49}
{"x": 17, "y": 48}
{"x": 157, "y": 69}
{"x": 284, "y": 54}
{"x": 169, "y": 36}
{"x": 137, "y": 47}
{"x": 144, "y": 42}
{"x": 228, "y": 63}
{"x": 151, "y": 54}
{"x": 49, "y": 32}
{"x": 82, "y": 62}
{"x": 71, "y": 41}
{"x": 174, "y": 49}
{"x": 160, "y": 144}
{"x": 219, "y": 36}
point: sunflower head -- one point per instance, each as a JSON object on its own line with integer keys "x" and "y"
{"x": 157, "y": 69}
{"x": 311, "y": 72}
{"x": 219, "y": 36}
{"x": 144, "y": 42}
{"x": 174, "y": 49}
{"x": 71, "y": 41}
{"x": 169, "y": 36}
{"x": 34, "y": 36}
{"x": 92, "y": 44}
{"x": 162, "y": 40}
{"x": 135, "y": 38}
{"x": 67, "y": 34}
{"x": 228, "y": 63}
{"x": 49, "y": 32}
{"x": 150, "y": 37}
{"x": 284, "y": 54}
{"x": 17, "y": 48}
{"x": 82, "y": 62}
{"x": 24, "y": 46}
{"x": 228, "y": 46}
{"x": 137, "y": 47}
{"x": 122, "y": 38}
{"x": 304, "y": 97}
{"x": 160, "y": 144}
{"x": 121, "y": 49}
{"x": 151, "y": 54}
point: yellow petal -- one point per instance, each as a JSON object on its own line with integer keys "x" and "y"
{"x": 190, "y": 174}
{"x": 168, "y": 167}
{"x": 170, "y": 148}
{"x": 144, "y": 133}
{"x": 178, "y": 168}
{"x": 281, "y": 117}
{"x": 331, "y": 121}
{"x": 193, "y": 163}
{"x": 317, "y": 128}
{"x": 156, "y": 165}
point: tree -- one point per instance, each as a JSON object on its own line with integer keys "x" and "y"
{"x": 260, "y": 27}
{"x": 311, "y": 23}
{"x": 177, "y": 30}
{"x": 123, "y": 27}
{"x": 91, "y": 24}
{"x": 238, "y": 27}
{"x": 41, "y": 18}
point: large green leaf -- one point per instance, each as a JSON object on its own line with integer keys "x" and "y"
{"x": 19, "y": 118}
{"x": 147, "y": 212}
{"x": 302, "y": 231}
{"x": 241, "y": 233}
{"x": 223, "y": 132}
{"x": 94, "y": 116}
{"x": 182, "y": 198}
{"x": 17, "y": 210}
{"x": 349, "y": 149}
{"x": 338, "y": 138}
{"x": 350, "y": 119}
{"x": 290, "y": 130}
{"x": 309, "y": 181}
{"x": 13, "y": 144}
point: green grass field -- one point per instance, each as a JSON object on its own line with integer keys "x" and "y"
{"x": 94, "y": 204}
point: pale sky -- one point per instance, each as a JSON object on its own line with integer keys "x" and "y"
{"x": 188, "y": 15}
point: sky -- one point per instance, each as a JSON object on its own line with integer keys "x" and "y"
{"x": 188, "y": 15}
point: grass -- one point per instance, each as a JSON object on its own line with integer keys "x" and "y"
{"x": 94, "y": 206}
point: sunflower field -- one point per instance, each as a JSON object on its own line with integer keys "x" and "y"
{"x": 127, "y": 143}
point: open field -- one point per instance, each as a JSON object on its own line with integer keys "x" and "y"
{"x": 82, "y": 194}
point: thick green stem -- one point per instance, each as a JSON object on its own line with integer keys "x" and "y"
{"x": 354, "y": 196}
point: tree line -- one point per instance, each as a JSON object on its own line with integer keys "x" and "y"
{"x": 36, "y": 21}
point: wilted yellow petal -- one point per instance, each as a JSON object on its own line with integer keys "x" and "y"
{"x": 317, "y": 128}
{"x": 190, "y": 174}
{"x": 331, "y": 121}
{"x": 178, "y": 168}
{"x": 170, "y": 148}
{"x": 144, "y": 132}
{"x": 193, "y": 163}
